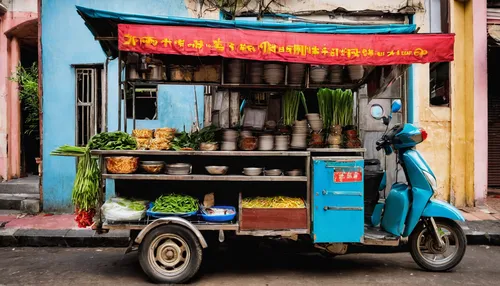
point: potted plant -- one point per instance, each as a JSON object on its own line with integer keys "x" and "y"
{"x": 206, "y": 139}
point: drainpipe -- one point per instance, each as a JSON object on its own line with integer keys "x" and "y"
{"x": 104, "y": 107}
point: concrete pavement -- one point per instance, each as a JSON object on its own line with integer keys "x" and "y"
{"x": 252, "y": 265}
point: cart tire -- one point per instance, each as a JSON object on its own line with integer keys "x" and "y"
{"x": 170, "y": 254}
{"x": 424, "y": 249}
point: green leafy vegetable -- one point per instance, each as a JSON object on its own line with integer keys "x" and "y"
{"x": 86, "y": 185}
{"x": 206, "y": 135}
{"x": 336, "y": 107}
{"x": 117, "y": 140}
{"x": 175, "y": 203}
{"x": 291, "y": 107}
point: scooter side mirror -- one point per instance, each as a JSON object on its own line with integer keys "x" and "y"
{"x": 396, "y": 105}
{"x": 377, "y": 111}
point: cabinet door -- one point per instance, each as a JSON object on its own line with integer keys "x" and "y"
{"x": 338, "y": 214}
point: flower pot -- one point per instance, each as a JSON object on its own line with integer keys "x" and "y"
{"x": 317, "y": 139}
{"x": 209, "y": 146}
{"x": 248, "y": 143}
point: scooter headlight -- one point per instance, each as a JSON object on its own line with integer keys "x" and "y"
{"x": 431, "y": 180}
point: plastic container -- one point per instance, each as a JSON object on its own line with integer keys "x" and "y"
{"x": 220, "y": 218}
{"x": 151, "y": 213}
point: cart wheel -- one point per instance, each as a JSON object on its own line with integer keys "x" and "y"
{"x": 170, "y": 254}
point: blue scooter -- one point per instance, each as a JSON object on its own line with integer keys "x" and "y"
{"x": 437, "y": 242}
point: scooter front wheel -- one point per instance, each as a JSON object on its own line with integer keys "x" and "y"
{"x": 428, "y": 253}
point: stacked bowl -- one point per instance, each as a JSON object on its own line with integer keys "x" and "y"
{"x": 315, "y": 121}
{"x": 299, "y": 135}
{"x": 274, "y": 73}
{"x": 356, "y": 72}
{"x": 266, "y": 142}
{"x": 281, "y": 142}
{"x": 255, "y": 72}
{"x": 296, "y": 73}
{"x": 230, "y": 137}
{"x": 336, "y": 73}
{"x": 318, "y": 73}
{"x": 234, "y": 71}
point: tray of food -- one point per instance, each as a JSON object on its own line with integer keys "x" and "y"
{"x": 173, "y": 205}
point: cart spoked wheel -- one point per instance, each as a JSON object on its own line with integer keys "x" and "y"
{"x": 431, "y": 256}
{"x": 170, "y": 254}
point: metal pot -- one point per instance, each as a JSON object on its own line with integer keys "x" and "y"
{"x": 156, "y": 72}
{"x": 132, "y": 71}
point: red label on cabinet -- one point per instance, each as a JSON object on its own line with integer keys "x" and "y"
{"x": 347, "y": 177}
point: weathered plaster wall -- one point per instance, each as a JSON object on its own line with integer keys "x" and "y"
{"x": 303, "y": 6}
{"x": 65, "y": 41}
{"x": 450, "y": 147}
{"x": 480, "y": 101}
{"x": 19, "y": 11}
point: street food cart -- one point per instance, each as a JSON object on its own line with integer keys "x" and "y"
{"x": 250, "y": 67}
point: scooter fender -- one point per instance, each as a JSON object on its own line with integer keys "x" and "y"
{"x": 437, "y": 208}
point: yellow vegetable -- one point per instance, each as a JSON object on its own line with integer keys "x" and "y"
{"x": 273, "y": 202}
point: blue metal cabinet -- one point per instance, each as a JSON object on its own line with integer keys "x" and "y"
{"x": 337, "y": 199}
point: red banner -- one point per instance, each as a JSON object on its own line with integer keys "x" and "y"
{"x": 332, "y": 49}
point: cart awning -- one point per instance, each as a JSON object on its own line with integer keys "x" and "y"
{"x": 287, "y": 46}
{"x": 291, "y": 42}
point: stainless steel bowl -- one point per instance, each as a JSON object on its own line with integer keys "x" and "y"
{"x": 179, "y": 169}
{"x": 252, "y": 171}
{"x": 273, "y": 172}
{"x": 217, "y": 170}
{"x": 295, "y": 172}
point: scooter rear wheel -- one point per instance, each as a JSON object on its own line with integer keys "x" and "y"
{"x": 426, "y": 251}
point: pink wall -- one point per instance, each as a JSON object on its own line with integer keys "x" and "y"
{"x": 480, "y": 101}
{"x": 9, "y": 102}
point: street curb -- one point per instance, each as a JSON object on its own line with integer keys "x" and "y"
{"x": 485, "y": 232}
{"x": 13, "y": 237}
{"x": 62, "y": 238}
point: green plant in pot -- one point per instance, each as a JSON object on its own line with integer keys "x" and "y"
{"x": 207, "y": 139}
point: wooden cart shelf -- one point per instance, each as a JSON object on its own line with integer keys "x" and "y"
{"x": 205, "y": 178}
{"x": 336, "y": 150}
{"x": 200, "y": 226}
{"x": 263, "y": 86}
{"x": 201, "y": 153}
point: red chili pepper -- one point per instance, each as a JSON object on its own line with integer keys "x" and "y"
{"x": 84, "y": 218}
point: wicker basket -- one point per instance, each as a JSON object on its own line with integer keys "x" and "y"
{"x": 122, "y": 165}
{"x": 142, "y": 133}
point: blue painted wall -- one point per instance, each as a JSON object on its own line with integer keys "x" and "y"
{"x": 66, "y": 41}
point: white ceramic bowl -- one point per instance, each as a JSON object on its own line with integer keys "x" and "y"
{"x": 252, "y": 171}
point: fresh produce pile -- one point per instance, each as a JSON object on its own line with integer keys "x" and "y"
{"x": 175, "y": 204}
{"x": 191, "y": 141}
{"x": 121, "y": 209}
{"x": 185, "y": 141}
{"x": 336, "y": 107}
{"x": 291, "y": 102}
{"x": 273, "y": 202}
{"x": 130, "y": 204}
{"x": 117, "y": 140}
{"x": 86, "y": 186}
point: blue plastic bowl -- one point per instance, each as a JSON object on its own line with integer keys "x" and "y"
{"x": 220, "y": 218}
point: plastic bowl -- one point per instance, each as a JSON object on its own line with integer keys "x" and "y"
{"x": 220, "y": 218}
